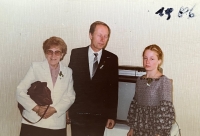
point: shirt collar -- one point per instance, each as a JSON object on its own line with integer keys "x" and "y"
{"x": 91, "y": 52}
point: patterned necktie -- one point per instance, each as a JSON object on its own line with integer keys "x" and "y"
{"x": 95, "y": 64}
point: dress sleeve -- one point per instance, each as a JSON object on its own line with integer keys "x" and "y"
{"x": 132, "y": 119}
{"x": 165, "y": 118}
{"x": 165, "y": 112}
{"x": 132, "y": 114}
{"x": 166, "y": 90}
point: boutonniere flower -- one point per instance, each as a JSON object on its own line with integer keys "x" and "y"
{"x": 102, "y": 65}
{"x": 61, "y": 74}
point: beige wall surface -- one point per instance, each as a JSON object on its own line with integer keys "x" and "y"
{"x": 25, "y": 24}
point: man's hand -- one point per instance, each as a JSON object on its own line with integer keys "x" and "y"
{"x": 110, "y": 123}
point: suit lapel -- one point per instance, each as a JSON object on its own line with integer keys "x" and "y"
{"x": 102, "y": 60}
{"x": 60, "y": 76}
{"x": 85, "y": 62}
{"x": 47, "y": 74}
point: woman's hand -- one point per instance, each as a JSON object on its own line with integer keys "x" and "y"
{"x": 49, "y": 113}
{"x": 36, "y": 108}
{"x": 130, "y": 133}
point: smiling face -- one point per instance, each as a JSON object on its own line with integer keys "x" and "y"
{"x": 99, "y": 38}
{"x": 53, "y": 56}
{"x": 150, "y": 60}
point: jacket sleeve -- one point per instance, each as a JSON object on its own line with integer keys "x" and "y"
{"x": 113, "y": 90}
{"x": 22, "y": 88}
{"x": 71, "y": 60}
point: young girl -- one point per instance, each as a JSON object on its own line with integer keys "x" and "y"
{"x": 151, "y": 112}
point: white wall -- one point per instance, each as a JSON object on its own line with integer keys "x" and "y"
{"x": 25, "y": 24}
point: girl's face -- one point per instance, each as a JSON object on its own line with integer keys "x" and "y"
{"x": 150, "y": 60}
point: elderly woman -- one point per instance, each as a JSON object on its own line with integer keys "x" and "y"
{"x": 59, "y": 81}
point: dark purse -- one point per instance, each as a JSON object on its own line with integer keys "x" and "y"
{"x": 40, "y": 94}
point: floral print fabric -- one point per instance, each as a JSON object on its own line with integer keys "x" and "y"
{"x": 151, "y": 119}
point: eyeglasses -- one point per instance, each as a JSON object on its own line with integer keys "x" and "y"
{"x": 50, "y": 52}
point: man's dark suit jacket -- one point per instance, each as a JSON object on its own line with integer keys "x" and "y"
{"x": 98, "y": 95}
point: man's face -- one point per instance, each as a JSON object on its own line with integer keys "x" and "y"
{"x": 99, "y": 38}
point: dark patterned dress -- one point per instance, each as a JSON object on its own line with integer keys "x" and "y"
{"x": 151, "y": 112}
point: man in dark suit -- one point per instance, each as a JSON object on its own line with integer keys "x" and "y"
{"x": 95, "y": 106}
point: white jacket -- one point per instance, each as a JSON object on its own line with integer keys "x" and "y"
{"x": 62, "y": 94}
